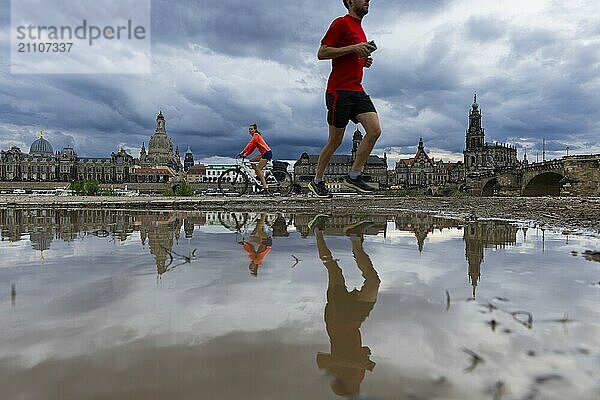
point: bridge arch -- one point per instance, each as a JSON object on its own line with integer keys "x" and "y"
{"x": 543, "y": 184}
{"x": 488, "y": 189}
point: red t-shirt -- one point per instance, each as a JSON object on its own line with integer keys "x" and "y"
{"x": 347, "y": 71}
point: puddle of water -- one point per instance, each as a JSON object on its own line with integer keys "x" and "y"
{"x": 124, "y": 305}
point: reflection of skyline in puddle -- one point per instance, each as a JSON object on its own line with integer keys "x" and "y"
{"x": 209, "y": 321}
{"x": 160, "y": 230}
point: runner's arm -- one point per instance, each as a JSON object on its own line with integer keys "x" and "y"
{"x": 361, "y": 49}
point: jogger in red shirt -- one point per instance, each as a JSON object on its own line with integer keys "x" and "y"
{"x": 345, "y": 43}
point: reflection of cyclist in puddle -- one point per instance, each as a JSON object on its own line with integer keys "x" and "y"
{"x": 260, "y": 237}
{"x": 346, "y": 311}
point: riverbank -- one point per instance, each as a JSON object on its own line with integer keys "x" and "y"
{"x": 579, "y": 215}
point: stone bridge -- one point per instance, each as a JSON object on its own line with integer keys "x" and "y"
{"x": 568, "y": 176}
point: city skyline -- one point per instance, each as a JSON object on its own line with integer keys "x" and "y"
{"x": 533, "y": 67}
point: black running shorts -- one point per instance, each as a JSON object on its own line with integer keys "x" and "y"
{"x": 344, "y": 105}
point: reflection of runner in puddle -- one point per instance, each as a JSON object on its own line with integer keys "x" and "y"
{"x": 346, "y": 311}
{"x": 261, "y": 238}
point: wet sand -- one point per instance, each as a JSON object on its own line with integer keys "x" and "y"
{"x": 577, "y": 215}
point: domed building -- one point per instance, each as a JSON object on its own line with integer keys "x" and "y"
{"x": 160, "y": 149}
{"x": 160, "y": 164}
{"x": 41, "y": 147}
{"x": 39, "y": 165}
{"x": 42, "y": 164}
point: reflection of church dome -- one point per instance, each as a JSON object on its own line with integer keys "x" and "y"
{"x": 41, "y": 146}
{"x": 41, "y": 239}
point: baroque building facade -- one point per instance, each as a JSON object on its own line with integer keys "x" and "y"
{"x": 42, "y": 164}
{"x": 159, "y": 164}
{"x": 375, "y": 171}
{"x": 422, "y": 171}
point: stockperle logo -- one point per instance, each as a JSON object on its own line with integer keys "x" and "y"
{"x": 80, "y": 36}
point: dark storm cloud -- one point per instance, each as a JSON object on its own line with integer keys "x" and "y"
{"x": 279, "y": 30}
{"x": 219, "y": 66}
{"x": 266, "y": 29}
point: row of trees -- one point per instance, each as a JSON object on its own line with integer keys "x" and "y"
{"x": 85, "y": 188}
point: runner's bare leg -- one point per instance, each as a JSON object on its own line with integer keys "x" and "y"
{"x": 370, "y": 121}
{"x": 335, "y": 140}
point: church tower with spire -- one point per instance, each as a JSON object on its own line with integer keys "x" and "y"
{"x": 188, "y": 160}
{"x": 481, "y": 158}
{"x": 475, "y": 138}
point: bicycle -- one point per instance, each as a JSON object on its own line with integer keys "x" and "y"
{"x": 236, "y": 180}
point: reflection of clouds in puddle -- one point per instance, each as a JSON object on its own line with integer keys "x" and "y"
{"x": 97, "y": 307}
{"x": 213, "y": 229}
{"x": 520, "y": 273}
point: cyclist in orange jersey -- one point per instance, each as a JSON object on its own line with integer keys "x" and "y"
{"x": 257, "y": 142}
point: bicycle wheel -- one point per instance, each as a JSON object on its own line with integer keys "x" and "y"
{"x": 233, "y": 182}
{"x": 280, "y": 183}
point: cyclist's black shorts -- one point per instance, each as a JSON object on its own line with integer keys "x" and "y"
{"x": 344, "y": 105}
{"x": 267, "y": 155}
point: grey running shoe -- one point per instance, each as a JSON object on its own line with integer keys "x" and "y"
{"x": 319, "y": 221}
{"x": 359, "y": 184}
{"x": 319, "y": 189}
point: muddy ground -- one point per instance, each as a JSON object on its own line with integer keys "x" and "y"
{"x": 577, "y": 215}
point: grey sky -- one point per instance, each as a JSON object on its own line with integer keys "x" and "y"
{"x": 219, "y": 66}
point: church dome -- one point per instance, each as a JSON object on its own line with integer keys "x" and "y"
{"x": 160, "y": 144}
{"x": 41, "y": 146}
